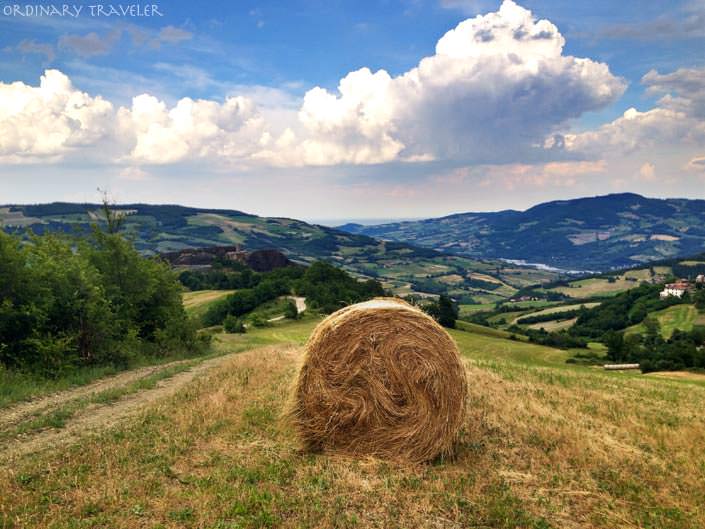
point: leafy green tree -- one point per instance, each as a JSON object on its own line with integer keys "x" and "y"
{"x": 699, "y": 299}
{"x": 259, "y": 321}
{"x": 68, "y": 303}
{"x": 328, "y": 288}
{"x": 290, "y": 310}
{"x": 653, "y": 328}
{"x": 443, "y": 311}
{"x": 232, "y": 324}
{"x": 615, "y": 346}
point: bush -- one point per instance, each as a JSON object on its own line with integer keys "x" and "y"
{"x": 232, "y": 324}
{"x": 325, "y": 287}
{"x": 328, "y": 288}
{"x": 69, "y": 303}
{"x": 290, "y": 310}
{"x": 259, "y": 321}
{"x": 443, "y": 311}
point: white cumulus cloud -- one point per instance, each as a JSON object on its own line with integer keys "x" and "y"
{"x": 496, "y": 85}
{"x": 677, "y": 119}
{"x": 49, "y": 120}
{"x": 192, "y": 129}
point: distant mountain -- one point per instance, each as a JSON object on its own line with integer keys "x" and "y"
{"x": 170, "y": 228}
{"x": 596, "y": 233}
{"x": 403, "y": 267}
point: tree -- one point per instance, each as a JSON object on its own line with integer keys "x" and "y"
{"x": 113, "y": 218}
{"x": 699, "y": 299}
{"x": 232, "y": 324}
{"x": 443, "y": 311}
{"x": 290, "y": 310}
{"x": 615, "y": 346}
{"x": 67, "y": 303}
{"x": 653, "y": 328}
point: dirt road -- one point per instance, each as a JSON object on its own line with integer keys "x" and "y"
{"x": 300, "y": 307}
{"x": 94, "y": 417}
{"x": 19, "y": 412}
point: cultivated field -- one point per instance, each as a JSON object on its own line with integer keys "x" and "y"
{"x": 597, "y": 286}
{"x": 545, "y": 445}
{"x": 196, "y": 303}
{"x": 558, "y": 310}
{"x": 681, "y": 317}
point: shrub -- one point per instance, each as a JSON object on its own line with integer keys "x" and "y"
{"x": 67, "y": 303}
{"x": 290, "y": 311}
{"x": 232, "y": 324}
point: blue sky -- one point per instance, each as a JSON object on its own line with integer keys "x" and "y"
{"x": 275, "y": 53}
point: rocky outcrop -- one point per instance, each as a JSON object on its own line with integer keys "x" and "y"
{"x": 266, "y": 260}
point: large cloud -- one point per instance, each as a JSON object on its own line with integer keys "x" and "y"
{"x": 495, "y": 87}
{"x": 49, "y": 120}
{"x": 677, "y": 119}
{"x": 191, "y": 129}
{"x": 496, "y": 84}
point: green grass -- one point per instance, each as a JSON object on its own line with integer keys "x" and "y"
{"x": 545, "y": 446}
{"x": 481, "y": 330}
{"x": 681, "y": 317}
{"x": 197, "y": 302}
{"x": 468, "y": 310}
{"x": 563, "y": 308}
{"x": 537, "y": 304}
{"x": 18, "y": 386}
{"x": 493, "y": 346}
{"x": 285, "y": 331}
{"x": 57, "y": 417}
{"x": 506, "y": 318}
{"x": 596, "y": 287}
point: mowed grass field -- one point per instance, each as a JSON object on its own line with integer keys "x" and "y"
{"x": 681, "y": 317}
{"x": 558, "y": 310}
{"x": 545, "y": 445}
{"x": 197, "y": 302}
{"x": 596, "y": 286}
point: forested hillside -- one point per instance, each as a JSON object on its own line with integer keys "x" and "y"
{"x": 596, "y": 233}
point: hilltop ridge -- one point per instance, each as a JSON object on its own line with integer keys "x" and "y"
{"x": 591, "y": 233}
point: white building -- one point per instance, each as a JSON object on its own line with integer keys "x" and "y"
{"x": 675, "y": 289}
{"x": 700, "y": 279}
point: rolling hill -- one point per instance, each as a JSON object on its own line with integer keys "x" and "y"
{"x": 401, "y": 267}
{"x": 597, "y": 233}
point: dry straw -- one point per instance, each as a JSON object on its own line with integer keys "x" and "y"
{"x": 380, "y": 378}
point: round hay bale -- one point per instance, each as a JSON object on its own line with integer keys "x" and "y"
{"x": 380, "y": 378}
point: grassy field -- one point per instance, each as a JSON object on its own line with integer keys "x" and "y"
{"x": 596, "y": 286}
{"x": 681, "y": 317}
{"x": 545, "y": 445}
{"x": 562, "y": 308}
{"x": 601, "y": 286}
{"x": 196, "y": 303}
{"x": 469, "y": 310}
{"x": 554, "y": 325}
{"x": 481, "y": 330}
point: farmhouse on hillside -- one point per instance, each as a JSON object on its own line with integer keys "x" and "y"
{"x": 676, "y": 289}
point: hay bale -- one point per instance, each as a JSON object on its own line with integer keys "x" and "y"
{"x": 380, "y": 378}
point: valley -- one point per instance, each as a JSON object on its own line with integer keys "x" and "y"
{"x": 402, "y": 268}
